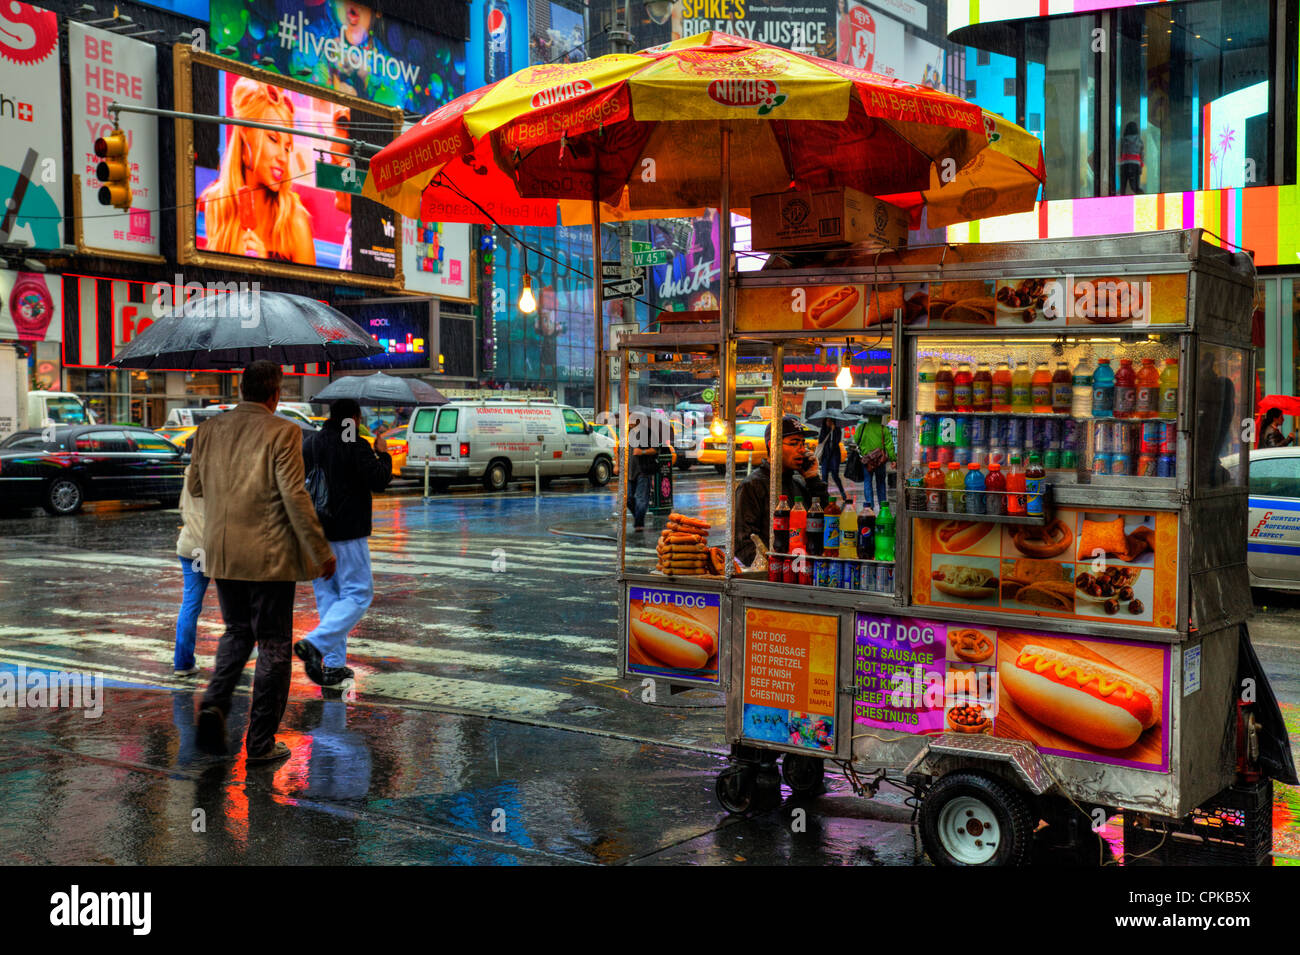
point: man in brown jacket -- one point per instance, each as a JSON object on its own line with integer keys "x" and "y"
{"x": 260, "y": 536}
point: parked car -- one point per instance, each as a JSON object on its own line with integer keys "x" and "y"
{"x": 1273, "y": 530}
{"x": 492, "y": 441}
{"x": 396, "y": 439}
{"x": 88, "y": 463}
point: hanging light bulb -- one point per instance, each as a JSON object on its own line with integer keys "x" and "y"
{"x": 845, "y": 378}
{"x": 527, "y": 303}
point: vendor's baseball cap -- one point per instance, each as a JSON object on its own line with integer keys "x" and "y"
{"x": 789, "y": 425}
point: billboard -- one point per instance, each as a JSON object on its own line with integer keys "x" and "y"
{"x": 402, "y": 330}
{"x": 498, "y": 41}
{"x": 347, "y": 47}
{"x": 436, "y": 258}
{"x": 105, "y": 67}
{"x": 560, "y": 38}
{"x": 31, "y": 307}
{"x": 261, "y": 195}
{"x": 31, "y": 131}
{"x": 808, "y": 26}
{"x": 870, "y": 41}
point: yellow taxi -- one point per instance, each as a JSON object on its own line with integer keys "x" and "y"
{"x": 177, "y": 435}
{"x": 396, "y": 439}
{"x": 750, "y": 444}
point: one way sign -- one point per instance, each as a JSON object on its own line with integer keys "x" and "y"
{"x": 630, "y": 287}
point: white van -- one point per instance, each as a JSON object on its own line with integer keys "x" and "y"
{"x": 819, "y": 398}
{"x": 61, "y": 407}
{"x": 499, "y": 441}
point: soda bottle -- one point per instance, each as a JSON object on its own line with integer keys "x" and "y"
{"x": 925, "y": 376}
{"x": 866, "y": 534}
{"x": 943, "y": 389}
{"x": 974, "y": 489}
{"x": 1125, "y": 390}
{"x": 781, "y": 526}
{"x": 831, "y": 534}
{"x": 1148, "y": 389}
{"x": 1167, "y": 406}
{"x": 1002, "y": 388}
{"x": 1034, "y": 475}
{"x": 916, "y": 488}
{"x": 1103, "y": 390}
{"x": 1016, "y": 486}
{"x": 816, "y": 528}
{"x": 1022, "y": 384}
{"x": 885, "y": 528}
{"x": 1040, "y": 389}
{"x": 963, "y": 383}
{"x": 849, "y": 530}
{"x": 1081, "y": 403}
{"x": 956, "y": 485}
{"x": 982, "y": 388}
{"x": 995, "y": 503}
{"x": 936, "y": 498}
{"x": 1062, "y": 389}
{"x": 798, "y": 528}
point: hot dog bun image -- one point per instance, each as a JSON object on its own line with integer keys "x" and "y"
{"x": 958, "y": 537}
{"x": 1095, "y": 703}
{"x": 672, "y": 639}
{"x": 833, "y": 307}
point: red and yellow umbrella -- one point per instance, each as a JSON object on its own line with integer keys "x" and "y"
{"x": 641, "y": 133}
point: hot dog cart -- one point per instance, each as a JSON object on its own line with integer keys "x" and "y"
{"x": 1081, "y": 652}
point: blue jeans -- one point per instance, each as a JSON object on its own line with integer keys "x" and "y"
{"x": 342, "y": 600}
{"x": 187, "y": 621}
{"x": 639, "y": 498}
{"x": 876, "y": 478}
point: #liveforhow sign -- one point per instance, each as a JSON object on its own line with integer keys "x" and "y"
{"x": 104, "y": 68}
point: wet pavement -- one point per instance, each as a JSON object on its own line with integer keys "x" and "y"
{"x": 487, "y": 723}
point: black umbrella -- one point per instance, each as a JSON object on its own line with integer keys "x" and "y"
{"x": 381, "y": 389}
{"x": 231, "y": 330}
{"x": 863, "y": 409}
{"x": 835, "y": 414}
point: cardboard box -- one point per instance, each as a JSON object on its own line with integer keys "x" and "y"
{"x": 844, "y": 216}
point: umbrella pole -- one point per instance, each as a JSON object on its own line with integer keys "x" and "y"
{"x": 726, "y": 348}
{"x": 598, "y": 303}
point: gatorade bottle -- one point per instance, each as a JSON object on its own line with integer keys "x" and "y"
{"x": 849, "y": 530}
{"x": 925, "y": 387}
{"x": 1081, "y": 403}
{"x": 1002, "y": 388}
{"x": 1015, "y": 487}
{"x": 956, "y": 485}
{"x": 936, "y": 498}
{"x": 781, "y": 526}
{"x": 866, "y": 534}
{"x": 1022, "y": 383}
{"x": 1125, "y": 390}
{"x": 1040, "y": 389}
{"x": 885, "y": 534}
{"x": 1167, "y": 406}
{"x": 963, "y": 389}
{"x": 974, "y": 489}
{"x": 995, "y": 503}
{"x": 816, "y": 528}
{"x": 943, "y": 389}
{"x": 831, "y": 534}
{"x": 982, "y": 388}
{"x": 1148, "y": 389}
{"x": 798, "y": 528}
{"x": 1034, "y": 475}
{"x": 916, "y": 488}
{"x": 1062, "y": 389}
{"x": 1103, "y": 390}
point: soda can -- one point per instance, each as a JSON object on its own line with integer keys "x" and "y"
{"x": 788, "y": 573}
{"x": 856, "y": 569}
{"x": 980, "y": 456}
{"x": 1101, "y": 462}
{"x": 1150, "y": 440}
{"x": 1052, "y": 458}
{"x": 962, "y": 430}
{"x": 1105, "y": 436}
{"x": 1069, "y": 435}
{"x": 929, "y": 430}
{"x": 1168, "y": 437}
{"x": 1069, "y": 459}
{"x": 1146, "y": 466}
{"x": 819, "y": 571}
{"x": 998, "y": 456}
{"x": 962, "y": 454}
{"x": 1036, "y": 434}
{"x": 1013, "y": 433}
{"x": 978, "y": 430}
{"x": 805, "y": 572}
{"x": 1166, "y": 466}
{"x": 944, "y": 455}
{"x": 1121, "y": 462}
{"x": 1126, "y": 436}
{"x": 885, "y": 578}
{"x": 775, "y": 572}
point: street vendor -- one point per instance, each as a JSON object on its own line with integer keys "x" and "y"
{"x": 798, "y": 479}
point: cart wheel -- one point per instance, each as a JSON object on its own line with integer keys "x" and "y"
{"x": 973, "y": 819}
{"x": 736, "y": 787}
{"x": 805, "y": 775}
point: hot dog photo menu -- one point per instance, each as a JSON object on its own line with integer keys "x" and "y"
{"x": 673, "y": 634}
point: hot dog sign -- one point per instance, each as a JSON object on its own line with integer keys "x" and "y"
{"x": 673, "y": 634}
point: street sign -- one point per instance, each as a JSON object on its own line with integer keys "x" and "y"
{"x": 650, "y": 257}
{"x": 618, "y": 329}
{"x": 639, "y": 246}
{"x": 630, "y": 287}
{"x": 337, "y": 178}
{"x": 615, "y": 270}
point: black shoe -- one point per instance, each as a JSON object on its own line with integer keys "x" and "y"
{"x": 334, "y": 676}
{"x": 306, "y": 651}
{"x": 211, "y": 735}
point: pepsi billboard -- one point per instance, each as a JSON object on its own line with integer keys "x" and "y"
{"x": 498, "y": 41}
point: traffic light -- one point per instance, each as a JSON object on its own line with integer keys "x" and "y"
{"x": 114, "y": 170}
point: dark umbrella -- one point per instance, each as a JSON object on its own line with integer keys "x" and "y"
{"x": 381, "y": 389}
{"x": 834, "y": 414}
{"x": 235, "y": 329}
{"x": 863, "y": 409}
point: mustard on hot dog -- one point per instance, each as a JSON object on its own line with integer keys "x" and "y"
{"x": 673, "y": 638}
{"x": 833, "y": 306}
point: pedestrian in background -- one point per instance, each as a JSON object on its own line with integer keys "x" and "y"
{"x": 876, "y": 446}
{"x": 828, "y": 454}
{"x": 642, "y": 466}
{"x": 1273, "y": 437}
{"x": 260, "y": 536}
{"x": 342, "y": 471}
{"x": 1132, "y": 156}
{"x": 189, "y": 548}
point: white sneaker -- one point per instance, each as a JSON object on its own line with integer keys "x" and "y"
{"x": 192, "y": 671}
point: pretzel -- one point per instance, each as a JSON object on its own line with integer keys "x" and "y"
{"x": 1055, "y": 538}
{"x": 970, "y": 645}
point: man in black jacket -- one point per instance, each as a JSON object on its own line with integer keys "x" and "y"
{"x": 350, "y": 471}
{"x": 798, "y": 479}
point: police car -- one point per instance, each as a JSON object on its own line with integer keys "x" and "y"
{"x": 1273, "y": 532}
